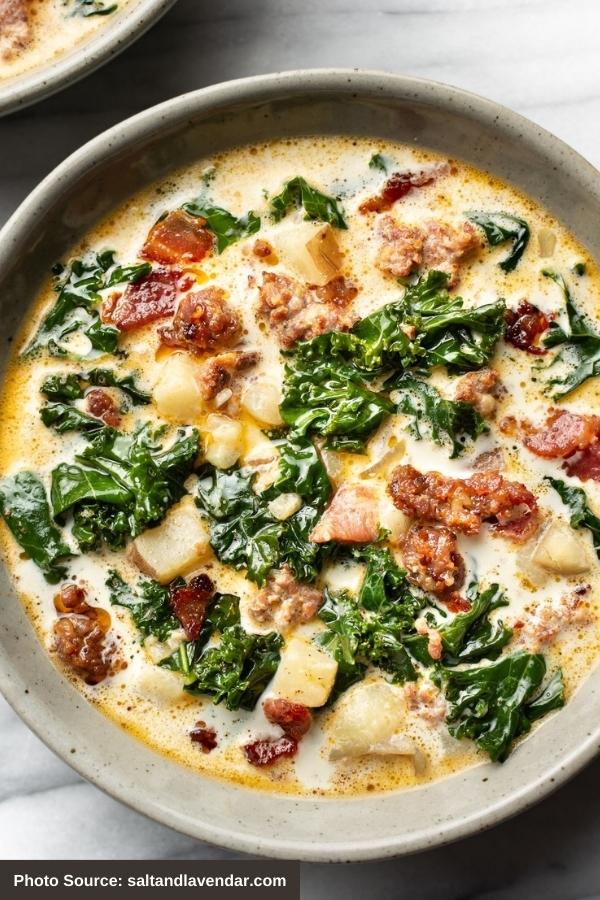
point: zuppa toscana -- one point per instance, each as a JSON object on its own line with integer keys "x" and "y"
{"x": 300, "y": 466}
{"x": 35, "y": 33}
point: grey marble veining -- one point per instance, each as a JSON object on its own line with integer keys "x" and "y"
{"x": 538, "y": 56}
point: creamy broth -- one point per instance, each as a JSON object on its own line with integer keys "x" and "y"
{"x": 147, "y": 700}
{"x": 37, "y": 33}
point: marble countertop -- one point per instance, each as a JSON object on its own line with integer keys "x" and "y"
{"x": 539, "y": 57}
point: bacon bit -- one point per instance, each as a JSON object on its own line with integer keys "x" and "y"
{"x": 218, "y": 371}
{"x": 435, "y": 647}
{"x": 80, "y": 636}
{"x": 456, "y": 603}
{"x": 267, "y": 751}
{"x": 432, "y": 560}
{"x": 563, "y": 434}
{"x": 587, "y": 464}
{"x": 205, "y": 736}
{"x": 262, "y": 249}
{"x": 189, "y": 603}
{"x": 464, "y": 504}
{"x": 152, "y": 297}
{"x": 424, "y": 699}
{"x": 350, "y": 518}
{"x": 294, "y": 718}
{"x": 202, "y": 322}
{"x": 524, "y": 325}
{"x": 102, "y": 406}
{"x": 480, "y": 390}
{"x": 546, "y": 620}
{"x": 399, "y": 185}
{"x": 489, "y": 460}
{"x": 178, "y": 238}
{"x": 297, "y": 311}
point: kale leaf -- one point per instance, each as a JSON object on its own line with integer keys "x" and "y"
{"x": 121, "y": 484}
{"x": 494, "y": 704}
{"x": 245, "y": 534}
{"x": 24, "y": 506}
{"x": 225, "y": 227}
{"x": 63, "y": 389}
{"x": 78, "y": 286}
{"x": 500, "y": 227}
{"x": 471, "y": 635}
{"x": 581, "y": 514}
{"x": 149, "y": 605}
{"x": 378, "y": 161}
{"x": 371, "y": 628}
{"x": 87, "y": 8}
{"x": 447, "y": 422}
{"x": 238, "y": 668}
{"x": 581, "y": 354}
{"x": 298, "y": 193}
{"x": 64, "y": 417}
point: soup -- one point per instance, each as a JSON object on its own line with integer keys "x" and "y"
{"x": 300, "y": 466}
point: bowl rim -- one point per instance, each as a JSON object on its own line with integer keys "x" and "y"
{"x": 41, "y": 82}
{"x": 157, "y": 120}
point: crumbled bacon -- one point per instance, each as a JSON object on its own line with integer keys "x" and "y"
{"x": 178, "y": 238}
{"x": 351, "y": 517}
{"x": 80, "y": 636}
{"x": 524, "y": 325}
{"x": 218, "y": 372}
{"x": 100, "y": 404}
{"x": 267, "y": 751}
{"x": 424, "y": 699}
{"x": 432, "y": 560}
{"x": 399, "y": 185}
{"x": 432, "y": 245}
{"x": 481, "y": 390}
{"x": 294, "y": 718}
{"x": 297, "y": 311}
{"x": 203, "y": 321}
{"x": 262, "y": 249}
{"x": 189, "y": 602}
{"x": 152, "y": 297}
{"x": 563, "y": 434}
{"x": 435, "y": 646}
{"x": 545, "y": 620}
{"x": 464, "y": 504}
{"x": 455, "y": 602}
{"x": 205, "y": 736}
{"x": 15, "y": 27}
{"x": 586, "y": 465}
{"x": 284, "y": 601}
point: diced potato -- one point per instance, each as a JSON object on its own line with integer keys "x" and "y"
{"x": 393, "y": 520}
{"x": 370, "y": 718}
{"x": 159, "y": 650}
{"x": 284, "y": 506}
{"x": 261, "y": 399}
{"x": 385, "y": 449}
{"x": 223, "y": 437}
{"x": 159, "y": 686}
{"x": 546, "y": 242}
{"x": 306, "y": 673}
{"x": 174, "y": 547}
{"x": 561, "y": 551}
{"x": 309, "y": 249}
{"x": 344, "y": 576}
{"x": 177, "y": 392}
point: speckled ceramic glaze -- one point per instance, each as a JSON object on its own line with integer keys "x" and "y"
{"x": 117, "y": 34}
{"x": 67, "y": 203}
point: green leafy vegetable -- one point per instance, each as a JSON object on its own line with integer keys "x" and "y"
{"x": 87, "y": 8}
{"x": 64, "y": 417}
{"x": 372, "y": 628}
{"x": 122, "y": 484}
{"x": 24, "y": 506}
{"x": 226, "y": 228}
{"x": 298, "y": 193}
{"x": 78, "y": 287}
{"x": 236, "y": 670}
{"x": 472, "y": 635}
{"x": 378, "y": 162}
{"x": 581, "y": 514}
{"x": 495, "y": 704}
{"x": 581, "y": 354}
{"x": 500, "y": 227}
{"x": 149, "y": 605}
{"x": 63, "y": 389}
{"x": 447, "y": 422}
{"x": 244, "y": 533}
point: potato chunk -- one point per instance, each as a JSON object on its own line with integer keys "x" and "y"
{"x": 176, "y": 546}
{"x": 159, "y": 686}
{"x": 177, "y": 393}
{"x": 310, "y": 249}
{"x": 223, "y": 441}
{"x": 370, "y": 718}
{"x": 305, "y": 674}
{"x": 561, "y": 551}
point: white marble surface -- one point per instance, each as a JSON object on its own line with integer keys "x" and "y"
{"x": 537, "y": 56}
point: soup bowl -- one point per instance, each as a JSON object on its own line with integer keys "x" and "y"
{"x": 67, "y": 203}
{"x": 117, "y": 32}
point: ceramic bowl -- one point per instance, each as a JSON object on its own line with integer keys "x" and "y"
{"x": 118, "y": 32}
{"x": 68, "y": 202}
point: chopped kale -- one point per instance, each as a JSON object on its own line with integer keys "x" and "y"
{"x": 500, "y": 227}
{"x": 298, "y": 193}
